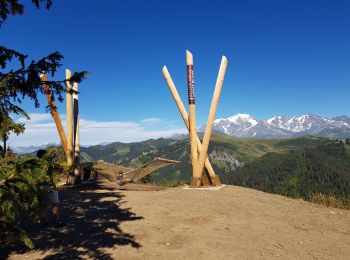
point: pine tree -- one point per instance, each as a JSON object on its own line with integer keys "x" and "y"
{"x": 20, "y": 178}
{"x": 25, "y": 82}
{"x": 7, "y": 126}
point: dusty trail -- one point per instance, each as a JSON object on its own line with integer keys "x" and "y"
{"x": 233, "y": 223}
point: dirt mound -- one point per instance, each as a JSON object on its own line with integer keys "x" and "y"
{"x": 233, "y": 223}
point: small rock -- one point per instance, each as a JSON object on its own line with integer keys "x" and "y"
{"x": 300, "y": 242}
{"x": 167, "y": 244}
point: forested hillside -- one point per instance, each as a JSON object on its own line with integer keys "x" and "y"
{"x": 320, "y": 173}
{"x": 120, "y": 153}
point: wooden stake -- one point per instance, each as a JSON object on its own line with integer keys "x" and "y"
{"x": 195, "y": 181}
{"x": 211, "y": 116}
{"x": 76, "y": 132}
{"x": 55, "y": 115}
{"x": 69, "y": 111}
{"x": 214, "y": 179}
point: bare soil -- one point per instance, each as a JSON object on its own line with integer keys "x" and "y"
{"x": 145, "y": 222}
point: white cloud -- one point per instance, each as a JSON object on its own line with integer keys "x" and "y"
{"x": 41, "y": 129}
{"x": 35, "y": 118}
{"x": 152, "y": 120}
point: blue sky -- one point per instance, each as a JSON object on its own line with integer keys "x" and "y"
{"x": 285, "y": 57}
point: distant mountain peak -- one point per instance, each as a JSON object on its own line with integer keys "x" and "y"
{"x": 31, "y": 148}
{"x": 241, "y": 119}
{"x": 277, "y": 121}
{"x": 342, "y": 118}
{"x": 178, "y": 136}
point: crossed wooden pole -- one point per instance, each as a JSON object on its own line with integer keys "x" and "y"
{"x": 199, "y": 150}
{"x": 70, "y": 143}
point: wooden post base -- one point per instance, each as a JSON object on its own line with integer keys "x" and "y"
{"x": 195, "y": 182}
{"x": 204, "y": 181}
{"x": 73, "y": 178}
{"x": 215, "y": 181}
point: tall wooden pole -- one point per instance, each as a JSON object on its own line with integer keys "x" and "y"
{"x": 69, "y": 112}
{"x": 55, "y": 115}
{"x": 195, "y": 181}
{"x": 76, "y": 132}
{"x": 211, "y": 116}
{"x": 214, "y": 178}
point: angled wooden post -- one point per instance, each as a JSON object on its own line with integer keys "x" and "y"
{"x": 69, "y": 112}
{"x": 213, "y": 177}
{"x": 211, "y": 116}
{"x": 195, "y": 181}
{"x": 55, "y": 115}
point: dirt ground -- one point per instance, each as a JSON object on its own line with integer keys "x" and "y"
{"x": 141, "y": 222}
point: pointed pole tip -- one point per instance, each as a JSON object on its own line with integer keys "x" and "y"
{"x": 165, "y": 71}
{"x": 189, "y": 58}
{"x": 68, "y": 73}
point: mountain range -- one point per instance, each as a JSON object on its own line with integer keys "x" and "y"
{"x": 245, "y": 125}
{"x": 31, "y": 148}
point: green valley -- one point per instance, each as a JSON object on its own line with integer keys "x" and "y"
{"x": 311, "y": 168}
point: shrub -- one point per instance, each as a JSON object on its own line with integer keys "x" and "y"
{"x": 20, "y": 195}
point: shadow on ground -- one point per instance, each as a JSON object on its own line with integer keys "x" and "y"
{"x": 93, "y": 217}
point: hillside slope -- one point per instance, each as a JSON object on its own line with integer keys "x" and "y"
{"x": 233, "y": 223}
{"x": 314, "y": 174}
{"x": 313, "y": 168}
{"x": 226, "y": 152}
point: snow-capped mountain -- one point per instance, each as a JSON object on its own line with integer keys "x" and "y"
{"x": 343, "y": 119}
{"x": 278, "y": 121}
{"x": 245, "y": 125}
{"x": 305, "y": 123}
{"x": 237, "y": 123}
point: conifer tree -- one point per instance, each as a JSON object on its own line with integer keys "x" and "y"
{"x": 25, "y": 82}
{"x": 20, "y": 178}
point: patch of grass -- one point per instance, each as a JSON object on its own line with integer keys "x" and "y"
{"x": 122, "y": 151}
{"x": 248, "y": 149}
{"x": 347, "y": 149}
{"x": 302, "y": 142}
{"x": 331, "y": 201}
{"x": 171, "y": 182}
